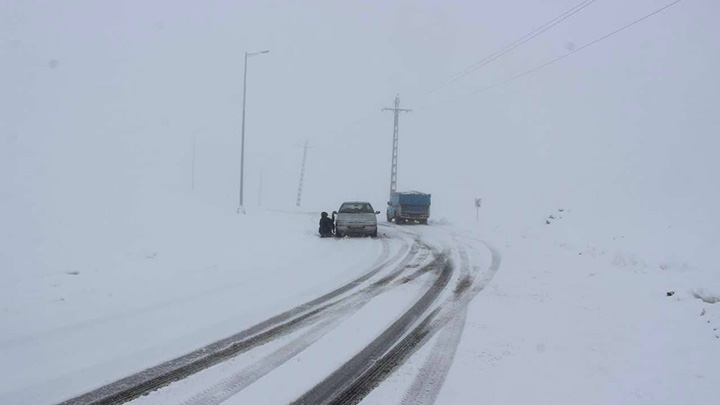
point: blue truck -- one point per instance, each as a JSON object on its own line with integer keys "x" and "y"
{"x": 409, "y": 206}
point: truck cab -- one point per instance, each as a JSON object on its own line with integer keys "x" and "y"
{"x": 408, "y": 206}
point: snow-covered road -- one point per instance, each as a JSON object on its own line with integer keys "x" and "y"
{"x": 341, "y": 313}
{"x": 427, "y": 278}
{"x": 236, "y": 312}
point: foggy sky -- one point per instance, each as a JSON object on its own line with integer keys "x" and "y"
{"x": 101, "y": 100}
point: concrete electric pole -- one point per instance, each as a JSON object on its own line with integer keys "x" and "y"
{"x": 302, "y": 175}
{"x": 192, "y": 186}
{"x": 260, "y": 189}
{"x": 393, "y": 169}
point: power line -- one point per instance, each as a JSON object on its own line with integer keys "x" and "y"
{"x": 545, "y": 27}
{"x": 514, "y": 44}
{"x": 553, "y": 61}
{"x": 496, "y": 55}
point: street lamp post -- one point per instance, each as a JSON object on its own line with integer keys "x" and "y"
{"x": 241, "y": 209}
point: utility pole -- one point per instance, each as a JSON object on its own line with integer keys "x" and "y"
{"x": 260, "y": 189}
{"x": 241, "y": 208}
{"x": 393, "y": 169}
{"x": 193, "y": 163}
{"x": 302, "y": 175}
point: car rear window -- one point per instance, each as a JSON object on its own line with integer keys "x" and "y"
{"x": 356, "y": 208}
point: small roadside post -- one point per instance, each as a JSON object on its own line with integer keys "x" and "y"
{"x": 478, "y": 204}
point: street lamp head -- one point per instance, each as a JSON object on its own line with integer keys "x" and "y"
{"x": 256, "y": 53}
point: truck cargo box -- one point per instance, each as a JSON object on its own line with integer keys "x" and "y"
{"x": 409, "y": 206}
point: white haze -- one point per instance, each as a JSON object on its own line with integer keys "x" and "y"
{"x": 101, "y": 101}
{"x": 107, "y": 249}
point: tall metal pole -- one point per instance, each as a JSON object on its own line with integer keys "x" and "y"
{"x": 393, "y": 168}
{"x": 241, "y": 209}
{"x": 302, "y": 175}
{"x": 193, "y": 163}
{"x": 260, "y": 189}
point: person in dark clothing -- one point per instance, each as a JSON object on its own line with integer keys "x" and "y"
{"x": 327, "y": 225}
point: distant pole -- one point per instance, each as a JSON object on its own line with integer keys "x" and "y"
{"x": 302, "y": 175}
{"x": 241, "y": 209}
{"x": 260, "y": 187}
{"x": 393, "y": 168}
{"x": 193, "y": 163}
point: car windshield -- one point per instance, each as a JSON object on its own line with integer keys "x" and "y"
{"x": 356, "y": 208}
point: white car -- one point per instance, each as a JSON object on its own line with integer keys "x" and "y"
{"x": 356, "y": 218}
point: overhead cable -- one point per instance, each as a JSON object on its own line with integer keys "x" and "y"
{"x": 513, "y": 45}
{"x": 553, "y": 61}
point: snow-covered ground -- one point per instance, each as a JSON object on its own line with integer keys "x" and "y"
{"x": 183, "y": 280}
{"x": 572, "y": 314}
{"x": 577, "y": 315}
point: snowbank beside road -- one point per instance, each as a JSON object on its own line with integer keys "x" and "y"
{"x": 591, "y": 310}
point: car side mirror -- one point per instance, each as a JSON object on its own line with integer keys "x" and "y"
{"x": 334, "y": 212}
{"x": 377, "y": 212}
{"x": 389, "y": 203}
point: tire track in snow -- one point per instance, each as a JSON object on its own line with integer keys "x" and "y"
{"x": 427, "y": 384}
{"x": 431, "y": 377}
{"x": 90, "y": 323}
{"x": 156, "y": 377}
{"x": 238, "y": 381}
{"x": 443, "y": 320}
{"x": 354, "y": 379}
{"x": 354, "y": 388}
{"x": 346, "y": 307}
{"x": 407, "y": 346}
